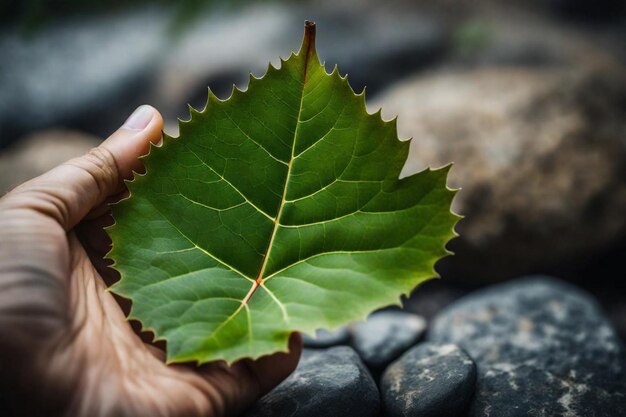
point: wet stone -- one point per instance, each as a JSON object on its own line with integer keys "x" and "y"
{"x": 331, "y": 382}
{"x": 385, "y": 336}
{"x": 429, "y": 380}
{"x": 324, "y": 338}
{"x": 542, "y": 348}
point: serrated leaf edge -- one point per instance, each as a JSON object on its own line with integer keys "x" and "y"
{"x": 396, "y": 301}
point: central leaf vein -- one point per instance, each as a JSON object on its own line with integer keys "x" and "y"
{"x": 268, "y": 252}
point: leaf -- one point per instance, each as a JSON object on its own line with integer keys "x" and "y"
{"x": 279, "y": 209}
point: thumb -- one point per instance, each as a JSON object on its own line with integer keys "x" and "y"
{"x": 68, "y": 192}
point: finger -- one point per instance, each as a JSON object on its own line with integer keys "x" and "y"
{"x": 68, "y": 192}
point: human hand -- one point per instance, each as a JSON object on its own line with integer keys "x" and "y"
{"x": 66, "y": 347}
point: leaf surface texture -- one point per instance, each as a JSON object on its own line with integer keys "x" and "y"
{"x": 279, "y": 209}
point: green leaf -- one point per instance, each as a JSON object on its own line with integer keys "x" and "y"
{"x": 279, "y": 209}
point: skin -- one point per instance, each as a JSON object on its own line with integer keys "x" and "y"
{"x": 66, "y": 347}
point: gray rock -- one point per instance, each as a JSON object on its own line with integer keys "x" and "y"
{"x": 539, "y": 155}
{"x": 219, "y": 51}
{"x": 332, "y": 383}
{"x": 324, "y": 338}
{"x": 542, "y": 348}
{"x": 89, "y": 72}
{"x": 87, "y": 68}
{"x": 429, "y": 381}
{"x": 385, "y": 336}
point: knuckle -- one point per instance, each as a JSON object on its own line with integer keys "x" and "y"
{"x": 100, "y": 164}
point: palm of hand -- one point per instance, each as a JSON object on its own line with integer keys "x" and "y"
{"x": 73, "y": 351}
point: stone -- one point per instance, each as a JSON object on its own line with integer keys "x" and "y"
{"x": 40, "y": 152}
{"x": 324, "y": 338}
{"x": 542, "y": 348}
{"x": 539, "y": 155}
{"x": 332, "y": 382}
{"x": 429, "y": 380}
{"x": 385, "y": 336}
{"x": 88, "y": 72}
{"x": 218, "y": 50}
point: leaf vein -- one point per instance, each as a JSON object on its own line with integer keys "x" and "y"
{"x": 229, "y": 183}
{"x": 232, "y": 268}
{"x": 254, "y": 141}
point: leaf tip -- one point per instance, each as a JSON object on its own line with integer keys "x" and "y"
{"x": 308, "y": 41}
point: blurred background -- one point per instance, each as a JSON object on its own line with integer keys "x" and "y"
{"x": 527, "y": 98}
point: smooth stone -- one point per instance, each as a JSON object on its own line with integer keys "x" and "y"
{"x": 539, "y": 154}
{"x": 219, "y": 51}
{"x": 324, "y": 338}
{"x": 385, "y": 336}
{"x": 542, "y": 348}
{"x": 332, "y": 382}
{"x": 429, "y": 380}
{"x": 88, "y": 72}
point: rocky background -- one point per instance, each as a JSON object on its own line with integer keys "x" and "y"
{"x": 535, "y": 346}
{"x": 527, "y": 98}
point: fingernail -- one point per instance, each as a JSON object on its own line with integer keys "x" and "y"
{"x": 140, "y": 118}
